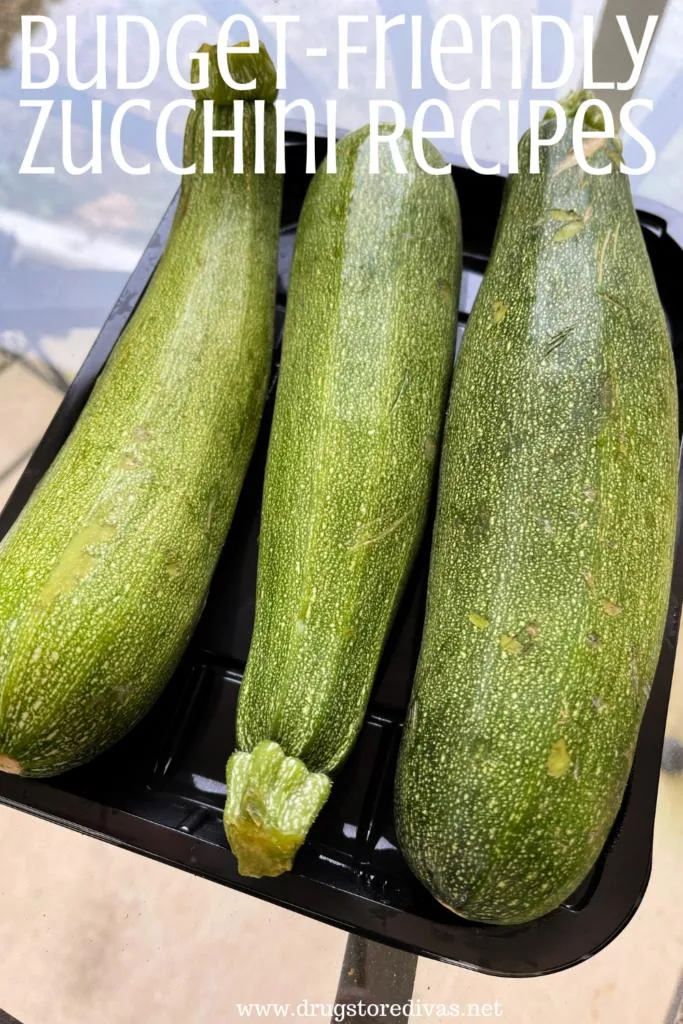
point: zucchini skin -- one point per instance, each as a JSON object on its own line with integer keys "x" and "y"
{"x": 104, "y": 575}
{"x": 552, "y": 552}
{"x": 367, "y": 359}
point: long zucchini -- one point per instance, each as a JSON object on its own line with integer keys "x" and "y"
{"x": 367, "y": 357}
{"x": 552, "y": 550}
{"x": 104, "y": 575}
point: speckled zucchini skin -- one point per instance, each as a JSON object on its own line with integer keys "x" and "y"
{"x": 367, "y": 359}
{"x": 552, "y": 552}
{"x": 104, "y": 574}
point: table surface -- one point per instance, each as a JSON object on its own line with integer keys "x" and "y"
{"x": 93, "y": 932}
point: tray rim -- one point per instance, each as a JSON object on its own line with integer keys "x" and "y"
{"x": 49, "y": 802}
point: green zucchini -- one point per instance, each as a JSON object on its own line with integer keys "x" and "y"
{"x": 367, "y": 357}
{"x": 552, "y": 550}
{"x": 103, "y": 576}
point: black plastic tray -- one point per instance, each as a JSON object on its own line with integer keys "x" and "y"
{"x": 161, "y": 791}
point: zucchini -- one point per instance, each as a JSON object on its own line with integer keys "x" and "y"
{"x": 367, "y": 358}
{"x": 552, "y": 550}
{"x": 105, "y": 573}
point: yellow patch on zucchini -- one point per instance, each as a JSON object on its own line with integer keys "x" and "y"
{"x": 566, "y": 215}
{"x": 559, "y": 762}
{"x": 569, "y": 230}
{"x": 79, "y": 559}
{"x": 500, "y": 309}
{"x": 510, "y": 644}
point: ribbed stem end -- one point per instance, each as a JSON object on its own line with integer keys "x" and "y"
{"x": 244, "y": 67}
{"x": 271, "y": 804}
{"x": 572, "y": 102}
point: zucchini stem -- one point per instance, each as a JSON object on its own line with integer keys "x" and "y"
{"x": 272, "y": 801}
{"x": 594, "y": 120}
{"x": 244, "y": 67}
{"x": 9, "y": 765}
